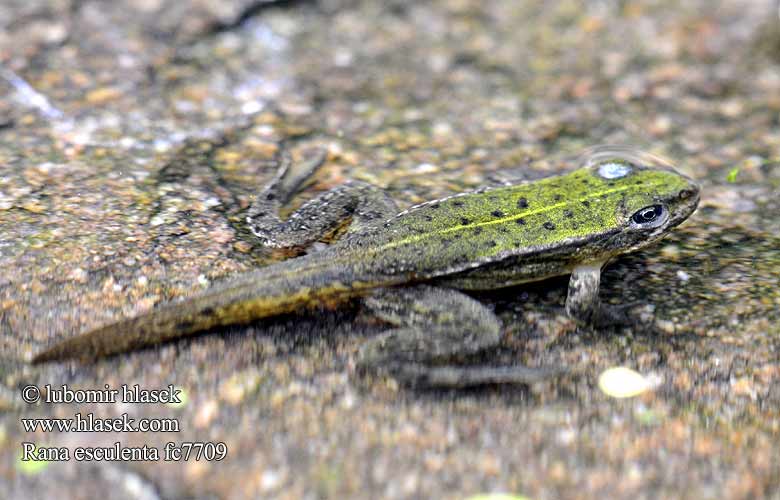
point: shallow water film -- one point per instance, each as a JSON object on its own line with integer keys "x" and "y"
{"x": 134, "y": 135}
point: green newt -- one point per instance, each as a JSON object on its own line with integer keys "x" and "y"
{"x": 410, "y": 268}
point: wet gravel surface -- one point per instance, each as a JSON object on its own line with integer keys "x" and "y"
{"x": 134, "y": 133}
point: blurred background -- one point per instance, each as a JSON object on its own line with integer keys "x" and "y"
{"x": 133, "y": 134}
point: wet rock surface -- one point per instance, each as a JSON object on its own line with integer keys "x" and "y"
{"x": 134, "y": 133}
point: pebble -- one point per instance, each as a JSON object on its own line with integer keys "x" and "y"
{"x": 622, "y": 382}
{"x": 205, "y": 414}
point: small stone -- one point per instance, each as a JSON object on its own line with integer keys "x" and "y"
{"x": 743, "y": 386}
{"x": 410, "y": 483}
{"x": 434, "y": 463}
{"x": 196, "y": 469}
{"x": 34, "y": 206}
{"x": 206, "y": 414}
{"x": 221, "y": 236}
{"x": 348, "y": 401}
{"x": 622, "y": 382}
{"x": 489, "y": 465}
{"x": 270, "y": 480}
{"x": 661, "y": 125}
{"x": 266, "y": 149}
{"x": 252, "y": 107}
{"x": 558, "y": 471}
{"x": 157, "y": 220}
{"x": 666, "y": 326}
{"x": 732, "y": 108}
{"x": 671, "y": 252}
{"x": 78, "y": 275}
{"x": 238, "y": 386}
{"x": 103, "y": 95}
{"x": 426, "y": 168}
{"x": 242, "y": 246}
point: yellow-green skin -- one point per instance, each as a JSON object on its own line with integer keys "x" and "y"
{"x": 487, "y": 239}
{"x": 569, "y": 218}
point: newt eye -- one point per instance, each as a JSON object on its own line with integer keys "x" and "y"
{"x": 651, "y": 216}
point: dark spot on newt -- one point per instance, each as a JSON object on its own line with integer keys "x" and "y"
{"x": 457, "y": 203}
{"x": 522, "y": 203}
{"x": 465, "y": 221}
{"x": 520, "y": 221}
{"x": 185, "y": 325}
{"x": 435, "y": 205}
{"x": 586, "y": 203}
{"x": 568, "y": 213}
{"x": 497, "y": 213}
{"x": 685, "y": 194}
{"x": 478, "y": 230}
{"x": 548, "y": 225}
{"x": 557, "y": 197}
{"x": 491, "y": 244}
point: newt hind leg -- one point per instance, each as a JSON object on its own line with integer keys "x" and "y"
{"x": 435, "y": 327}
{"x": 358, "y": 203}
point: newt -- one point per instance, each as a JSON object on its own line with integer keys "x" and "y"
{"x": 411, "y": 268}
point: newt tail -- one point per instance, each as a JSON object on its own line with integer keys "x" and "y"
{"x": 278, "y": 289}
